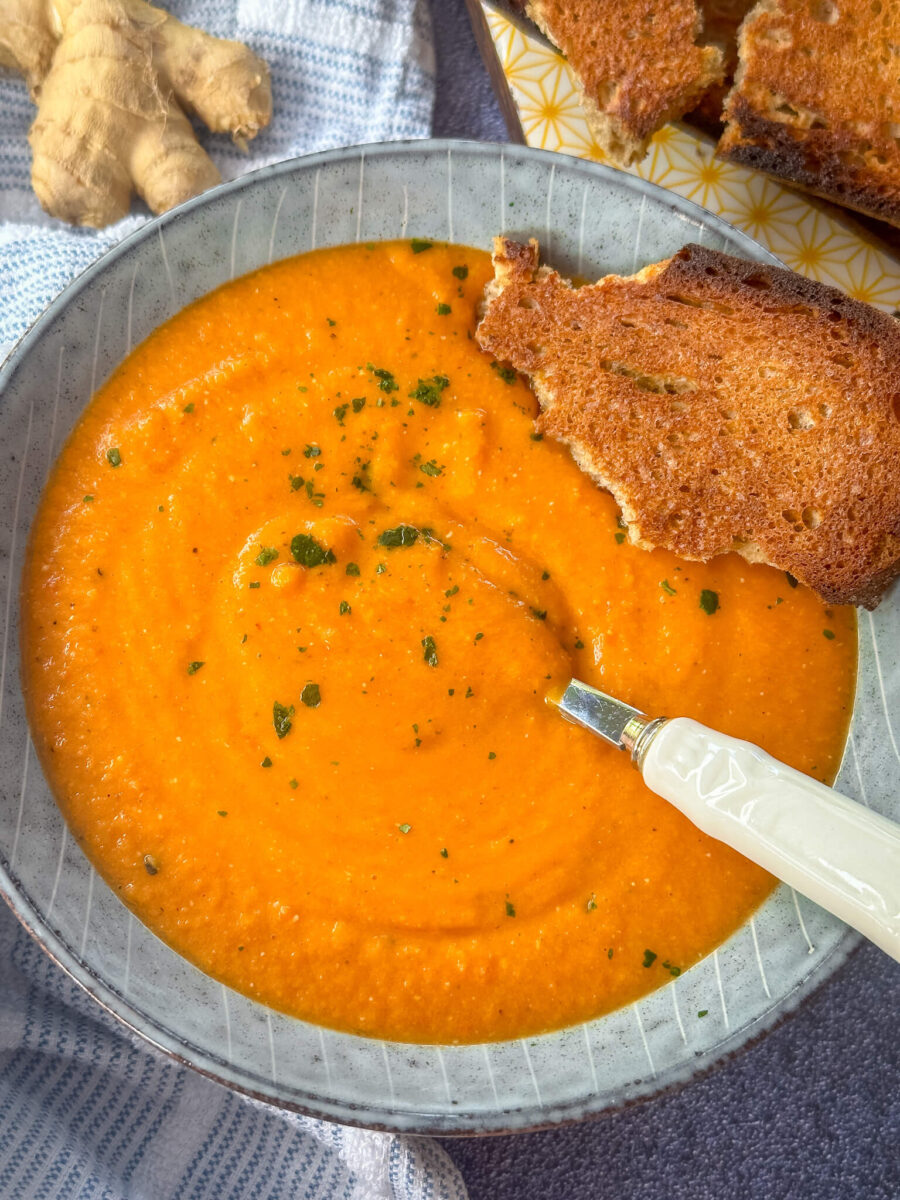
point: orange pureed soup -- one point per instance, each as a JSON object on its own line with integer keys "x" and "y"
{"x": 299, "y": 586}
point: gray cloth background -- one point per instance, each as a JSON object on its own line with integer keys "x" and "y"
{"x": 812, "y": 1112}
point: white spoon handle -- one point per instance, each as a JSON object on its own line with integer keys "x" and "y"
{"x": 838, "y": 853}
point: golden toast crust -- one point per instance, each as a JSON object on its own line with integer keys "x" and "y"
{"x": 816, "y": 100}
{"x": 637, "y": 62}
{"x": 727, "y": 405}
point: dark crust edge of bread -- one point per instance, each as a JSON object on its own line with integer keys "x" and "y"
{"x": 775, "y": 148}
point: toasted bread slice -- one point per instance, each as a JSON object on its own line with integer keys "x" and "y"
{"x": 727, "y": 405}
{"x": 637, "y": 63}
{"x": 816, "y": 100}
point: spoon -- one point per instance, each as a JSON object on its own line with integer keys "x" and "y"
{"x": 837, "y": 852}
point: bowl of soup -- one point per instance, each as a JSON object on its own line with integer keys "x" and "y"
{"x": 291, "y": 578}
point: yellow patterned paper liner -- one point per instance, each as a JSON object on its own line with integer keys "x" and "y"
{"x": 803, "y": 236}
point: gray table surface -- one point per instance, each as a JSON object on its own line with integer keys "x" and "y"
{"x": 812, "y": 1112}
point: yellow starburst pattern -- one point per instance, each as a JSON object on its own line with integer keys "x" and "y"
{"x": 803, "y": 234}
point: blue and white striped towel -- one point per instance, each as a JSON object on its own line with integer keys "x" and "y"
{"x": 87, "y": 1110}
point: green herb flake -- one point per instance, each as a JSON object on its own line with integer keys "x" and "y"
{"x": 297, "y": 482}
{"x": 428, "y": 391}
{"x": 344, "y": 608}
{"x": 404, "y": 828}
{"x": 114, "y": 457}
{"x": 609, "y": 953}
{"x": 536, "y": 437}
{"x": 478, "y": 637}
{"x": 443, "y": 310}
{"x": 461, "y": 272}
{"x": 386, "y": 380}
{"x": 403, "y": 535}
{"x": 667, "y": 587}
{"x": 266, "y": 555}
{"x": 469, "y": 693}
{"x": 311, "y": 696}
{"x": 430, "y": 651}
{"x": 307, "y": 551}
{"x": 673, "y": 970}
{"x": 709, "y": 601}
{"x": 592, "y": 903}
{"x": 431, "y": 468}
{"x": 352, "y": 569}
{"x": 704, "y": 1012}
{"x": 221, "y": 812}
{"x": 452, "y": 591}
{"x": 620, "y": 537}
{"x": 340, "y": 412}
{"x": 649, "y": 958}
{"x": 828, "y": 633}
{"x": 380, "y": 569}
{"x": 445, "y": 853}
{"x": 294, "y": 783}
{"x": 358, "y": 404}
{"x": 312, "y": 451}
{"x": 188, "y": 408}
{"x": 510, "y": 909}
{"x": 151, "y": 866}
{"x": 281, "y": 718}
{"x": 539, "y": 613}
{"x": 579, "y": 644}
{"x": 330, "y": 322}
{"x": 194, "y": 667}
{"x": 254, "y": 585}
{"x": 507, "y": 374}
{"x": 491, "y": 755}
{"x": 266, "y": 762}
{"x": 90, "y": 500}
{"x": 418, "y": 246}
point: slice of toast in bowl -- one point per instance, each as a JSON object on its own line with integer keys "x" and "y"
{"x": 727, "y": 405}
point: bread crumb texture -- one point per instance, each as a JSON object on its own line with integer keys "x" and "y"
{"x": 816, "y": 100}
{"x": 637, "y": 62}
{"x": 727, "y": 405}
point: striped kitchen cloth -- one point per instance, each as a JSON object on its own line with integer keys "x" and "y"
{"x": 87, "y": 1109}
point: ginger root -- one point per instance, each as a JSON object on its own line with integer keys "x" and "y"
{"x": 113, "y": 81}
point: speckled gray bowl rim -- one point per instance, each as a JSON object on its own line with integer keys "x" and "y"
{"x": 508, "y": 1120}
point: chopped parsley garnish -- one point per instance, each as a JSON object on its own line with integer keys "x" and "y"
{"x": 358, "y": 404}
{"x": 537, "y": 437}
{"x": 89, "y": 500}
{"x": 312, "y": 451}
{"x": 386, "y": 380}
{"x": 428, "y": 391}
{"x": 344, "y": 608}
{"x": 478, "y": 637}
{"x": 510, "y": 909}
{"x": 667, "y": 587}
{"x": 194, "y": 667}
{"x": 266, "y": 555}
{"x": 431, "y": 468}
{"x": 579, "y": 644}
{"x": 649, "y": 958}
{"x": 330, "y": 322}
{"x": 507, "y": 374}
{"x": 430, "y": 651}
{"x": 297, "y": 482}
{"x": 417, "y": 245}
{"x": 311, "y": 696}
{"x": 188, "y": 408}
{"x": 791, "y": 580}
{"x": 266, "y": 762}
{"x": 151, "y": 866}
{"x": 281, "y": 718}
{"x": 403, "y": 535}
{"x": 352, "y": 569}
{"x": 709, "y": 601}
{"x": 307, "y": 551}
{"x": 609, "y": 953}
{"x": 452, "y": 591}
{"x": 469, "y": 693}
{"x": 704, "y": 1012}
{"x": 673, "y": 971}
{"x": 114, "y": 457}
{"x": 491, "y": 755}
{"x": 592, "y": 903}
{"x": 294, "y": 783}
{"x": 620, "y": 537}
{"x": 404, "y": 828}
{"x": 445, "y": 853}
{"x": 340, "y": 412}
{"x": 253, "y": 585}
{"x": 829, "y": 633}
{"x": 221, "y": 812}
{"x": 540, "y": 613}
{"x": 461, "y": 272}
{"x": 380, "y": 569}
{"x": 443, "y": 310}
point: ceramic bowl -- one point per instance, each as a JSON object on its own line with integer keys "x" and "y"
{"x": 590, "y": 220}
